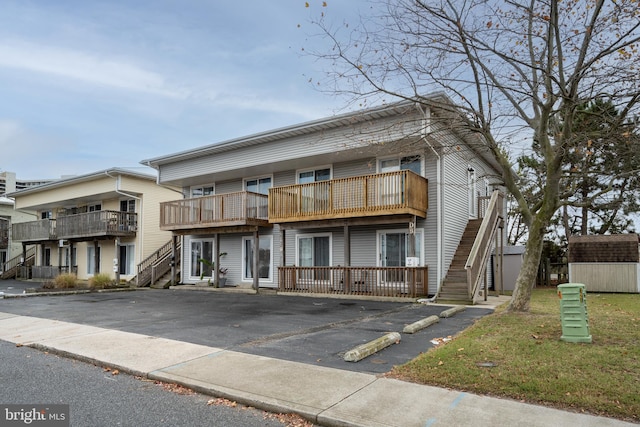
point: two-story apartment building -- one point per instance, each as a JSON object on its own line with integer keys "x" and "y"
{"x": 101, "y": 222}
{"x": 374, "y": 202}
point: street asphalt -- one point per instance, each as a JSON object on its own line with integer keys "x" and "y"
{"x": 317, "y": 331}
{"x": 273, "y": 352}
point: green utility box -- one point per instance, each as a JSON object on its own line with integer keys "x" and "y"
{"x": 573, "y": 313}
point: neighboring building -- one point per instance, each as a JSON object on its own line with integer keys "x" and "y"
{"x": 102, "y": 222}
{"x": 10, "y": 250}
{"x": 9, "y": 183}
{"x": 369, "y": 203}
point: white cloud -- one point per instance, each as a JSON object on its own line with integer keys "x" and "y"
{"x": 86, "y": 67}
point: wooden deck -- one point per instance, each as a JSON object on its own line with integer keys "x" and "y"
{"x": 391, "y": 193}
{"x": 219, "y": 210}
{"x": 97, "y": 224}
{"x": 34, "y": 231}
{"x": 409, "y": 282}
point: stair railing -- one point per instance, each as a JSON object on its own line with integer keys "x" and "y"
{"x": 12, "y": 266}
{"x": 479, "y": 255}
{"x": 155, "y": 265}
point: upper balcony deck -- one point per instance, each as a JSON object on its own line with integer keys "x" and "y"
{"x": 390, "y": 193}
{"x": 215, "y": 211}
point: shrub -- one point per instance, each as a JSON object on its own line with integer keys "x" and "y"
{"x": 65, "y": 281}
{"x": 100, "y": 281}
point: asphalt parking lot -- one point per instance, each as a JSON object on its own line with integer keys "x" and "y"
{"x": 302, "y": 329}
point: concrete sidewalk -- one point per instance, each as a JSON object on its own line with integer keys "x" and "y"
{"x": 327, "y": 396}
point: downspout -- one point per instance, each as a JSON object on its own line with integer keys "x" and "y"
{"x": 425, "y": 129}
{"x": 140, "y": 228}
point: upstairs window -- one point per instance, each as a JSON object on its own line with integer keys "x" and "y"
{"x": 412, "y": 163}
{"x": 258, "y": 185}
{"x": 201, "y": 191}
{"x": 127, "y": 205}
{"x": 307, "y": 176}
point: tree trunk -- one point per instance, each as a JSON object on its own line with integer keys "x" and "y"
{"x": 529, "y": 271}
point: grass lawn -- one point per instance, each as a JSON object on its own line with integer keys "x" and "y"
{"x": 533, "y": 365}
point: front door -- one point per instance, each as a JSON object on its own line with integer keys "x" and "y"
{"x": 393, "y": 250}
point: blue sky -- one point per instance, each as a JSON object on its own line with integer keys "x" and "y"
{"x": 88, "y": 85}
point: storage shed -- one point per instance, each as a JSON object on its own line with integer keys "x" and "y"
{"x": 605, "y": 263}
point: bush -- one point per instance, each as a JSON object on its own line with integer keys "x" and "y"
{"x": 100, "y": 281}
{"x": 65, "y": 281}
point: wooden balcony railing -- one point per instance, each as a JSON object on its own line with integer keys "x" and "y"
{"x": 219, "y": 210}
{"x": 407, "y": 282}
{"x": 96, "y": 224}
{"x": 34, "y": 231}
{"x": 391, "y": 193}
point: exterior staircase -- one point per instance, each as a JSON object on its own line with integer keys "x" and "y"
{"x": 454, "y": 287}
{"x": 156, "y": 266}
{"x": 468, "y": 267}
{"x": 13, "y": 266}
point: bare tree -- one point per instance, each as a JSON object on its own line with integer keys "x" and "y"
{"x": 518, "y": 70}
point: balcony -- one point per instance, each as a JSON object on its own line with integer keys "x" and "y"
{"x": 401, "y": 282}
{"x": 97, "y": 224}
{"x": 215, "y": 211}
{"x": 34, "y": 231}
{"x": 390, "y": 193}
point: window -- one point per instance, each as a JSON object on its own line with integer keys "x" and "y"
{"x": 3, "y": 259}
{"x": 45, "y": 215}
{"x": 92, "y": 267}
{"x": 258, "y": 185}
{"x": 394, "y": 247}
{"x": 472, "y": 194}
{"x": 95, "y": 207}
{"x": 69, "y": 256}
{"x": 315, "y": 197}
{"x": 128, "y": 205}
{"x": 265, "y": 258}
{"x": 46, "y": 256}
{"x": 202, "y": 191}
{"x": 314, "y": 251}
{"x": 412, "y": 163}
{"x": 305, "y": 177}
{"x": 127, "y": 258}
{"x": 201, "y": 258}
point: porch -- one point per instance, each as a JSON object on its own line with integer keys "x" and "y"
{"x": 409, "y": 282}
{"x": 391, "y": 193}
{"x": 215, "y": 211}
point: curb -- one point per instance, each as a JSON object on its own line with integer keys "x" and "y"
{"x": 367, "y": 349}
{"x": 420, "y": 324}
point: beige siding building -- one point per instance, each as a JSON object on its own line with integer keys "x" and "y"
{"x": 102, "y": 222}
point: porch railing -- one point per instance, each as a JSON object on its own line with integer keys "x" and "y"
{"x": 480, "y": 251}
{"x": 97, "y": 223}
{"x": 49, "y": 272}
{"x": 373, "y": 281}
{"x": 214, "y": 211}
{"x": 34, "y": 231}
{"x": 401, "y": 192}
